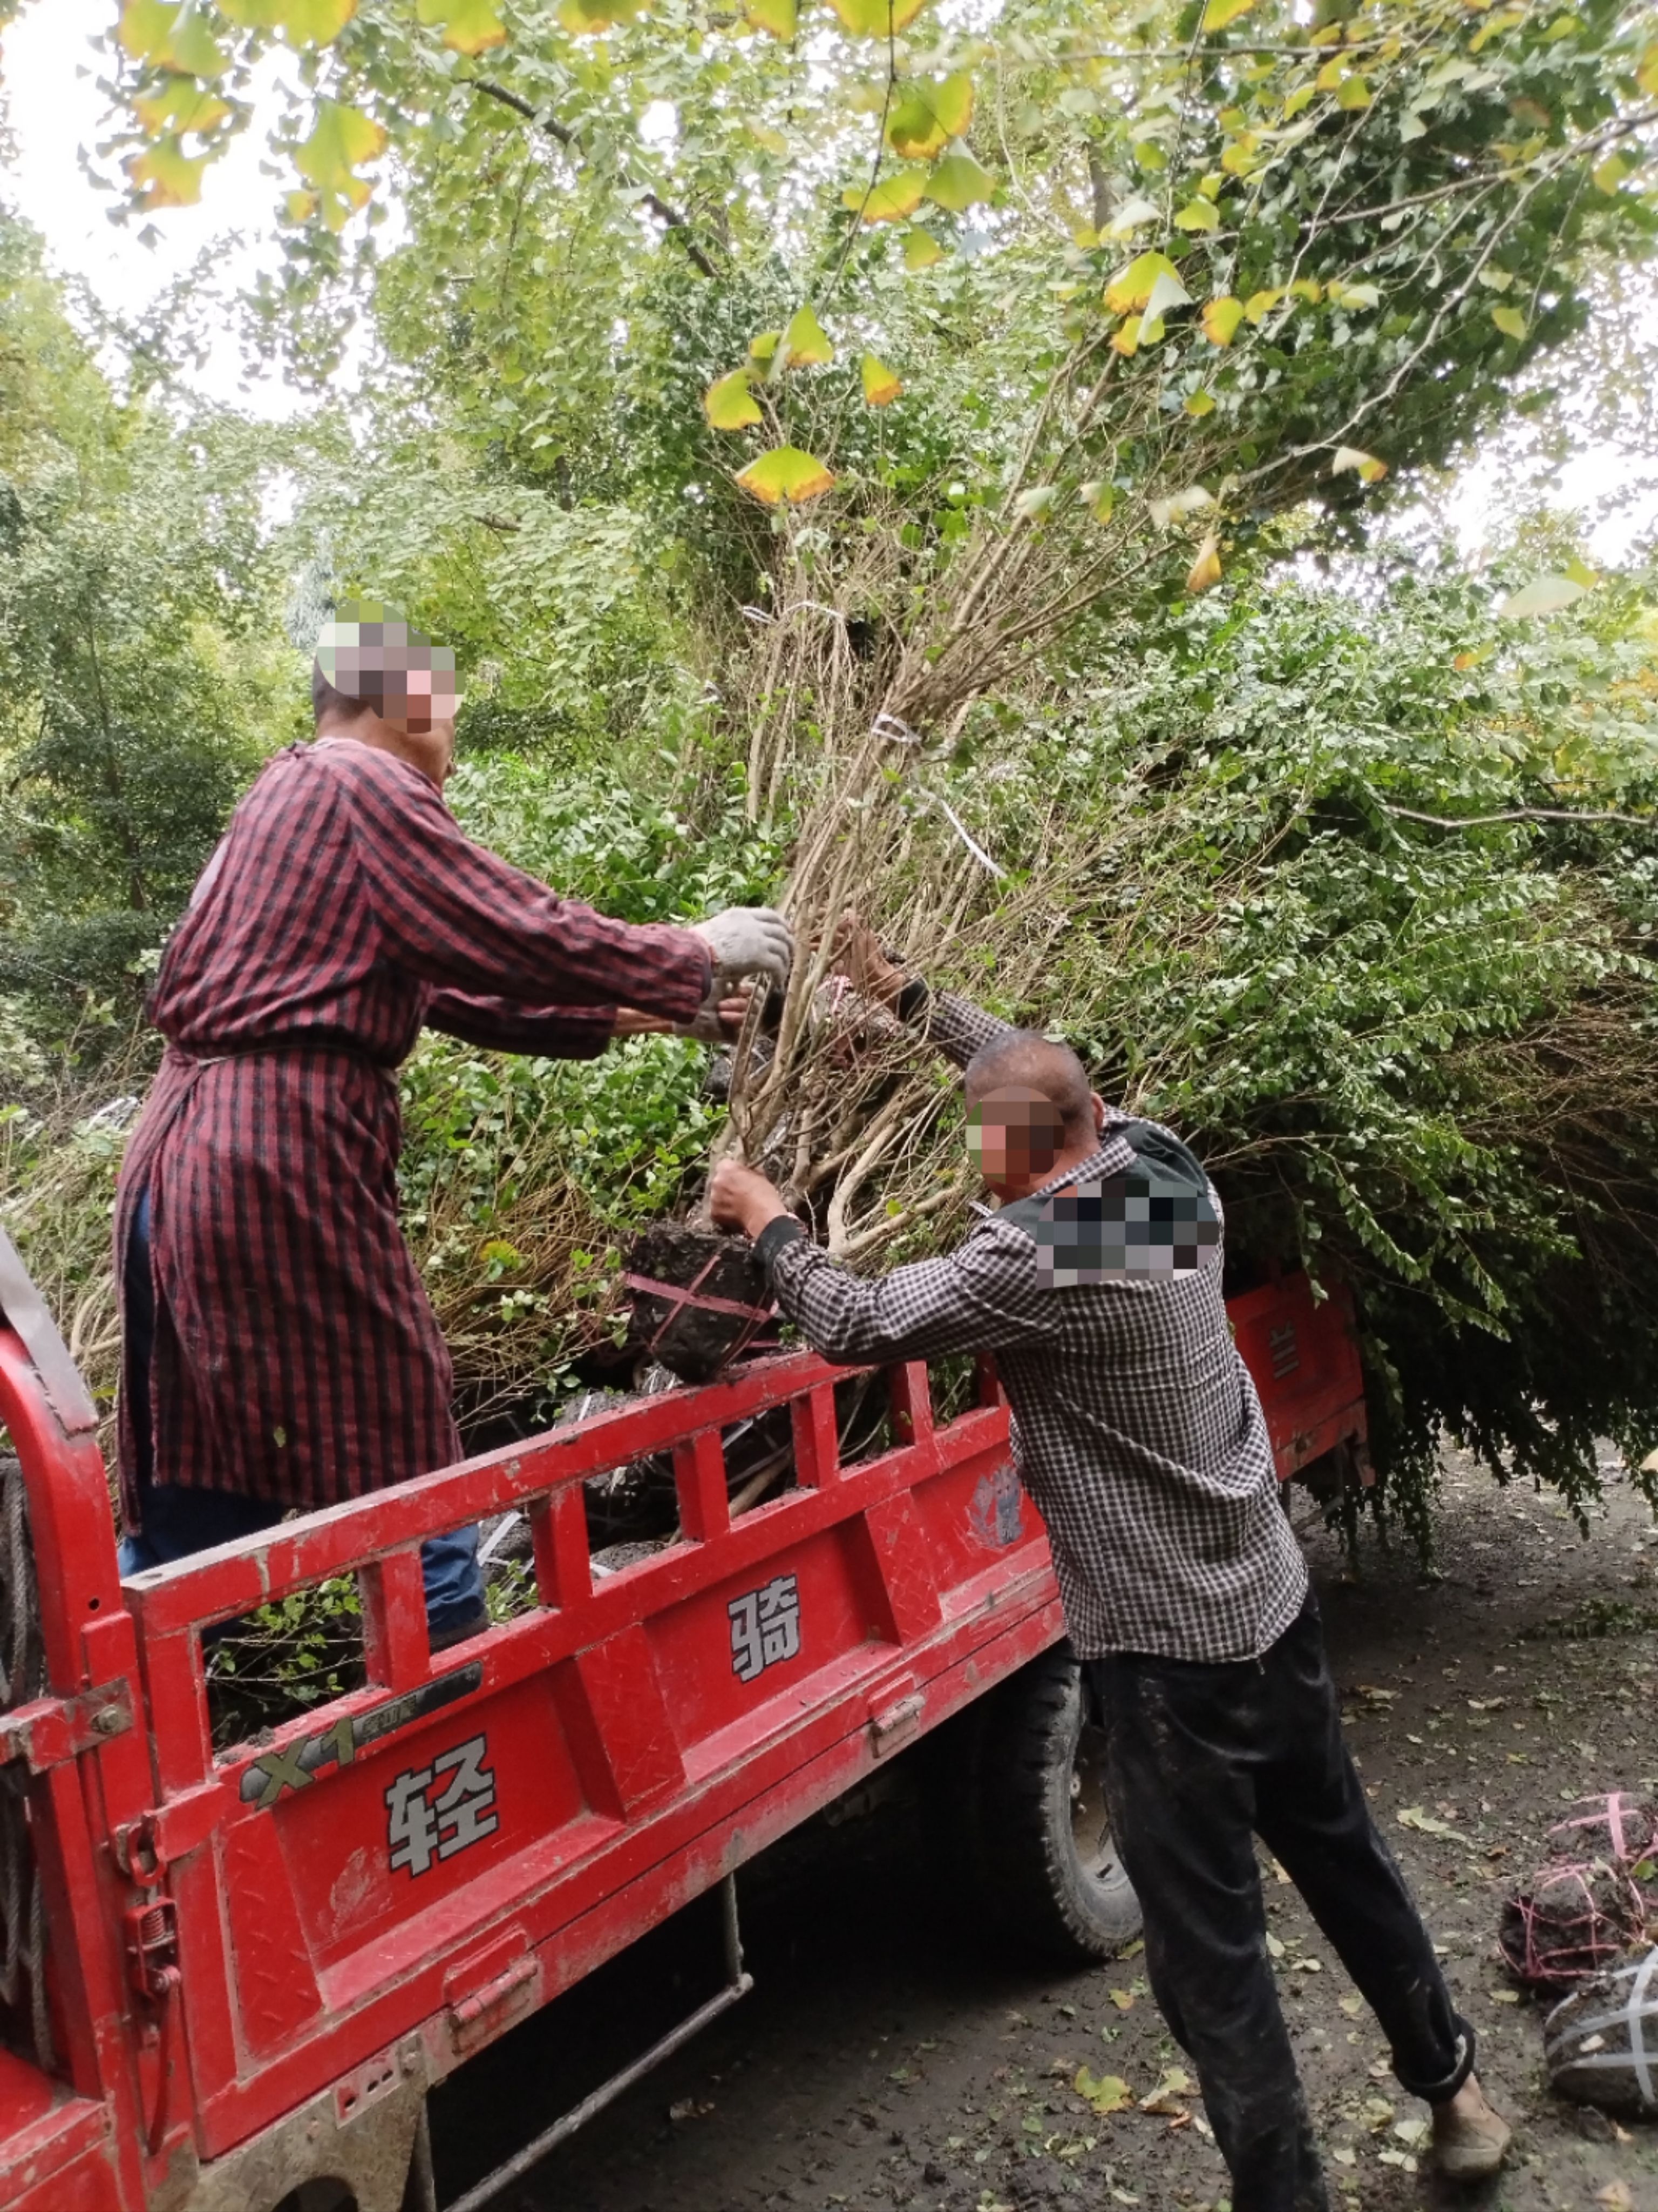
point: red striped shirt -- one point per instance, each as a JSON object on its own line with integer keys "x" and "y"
{"x": 296, "y": 1355}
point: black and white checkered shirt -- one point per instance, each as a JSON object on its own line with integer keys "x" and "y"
{"x": 1138, "y": 1429}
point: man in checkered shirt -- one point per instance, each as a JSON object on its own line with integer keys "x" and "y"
{"x": 1097, "y": 1285}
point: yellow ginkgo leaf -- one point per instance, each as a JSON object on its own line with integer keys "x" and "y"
{"x": 1349, "y": 460}
{"x": 1329, "y": 78}
{"x": 921, "y": 249}
{"x": 958, "y": 183}
{"x": 881, "y": 386}
{"x": 1647, "y": 76}
{"x": 729, "y": 404}
{"x": 589, "y": 18}
{"x": 875, "y": 19}
{"x": 299, "y": 207}
{"x": 190, "y": 46}
{"x": 1219, "y": 13}
{"x": 784, "y": 473}
{"x": 890, "y": 199}
{"x": 311, "y": 22}
{"x": 1353, "y": 94}
{"x": 470, "y": 26}
{"x": 1260, "y": 305}
{"x": 1510, "y": 322}
{"x": 1167, "y": 294}
{"x": 181, "y": 108}
{"x": 144, "y": 28}
{"x": 764, "y": 345}
{"x": 167, "y": 176}
{"x": 1200, "y": 404}
{"x": 1125, "y": 338}
{"x": 1221, "y": 318}
{"x": 806, "y": 340}
{"x": 926, "y": 116}
{"x": 1131, "y": 287}
{"x": 1099, "y": 496}
{"x": 342, "y": 139}
{"x": 1198, "y": 214}
{"x": 1206, "y": 569}
{"x": 777, "y": 16}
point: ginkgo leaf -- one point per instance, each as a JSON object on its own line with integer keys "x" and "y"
{"x": 1033, "y": 503}
{"x": 1647, "y": 76}
{"x": 921, "y": 249}
{"x": 1329, "y": 78}
{"x": 958, "y": 183}
{"x": 1125, "y": 338}
{"x": 299, "y": 207}
{"x": 1353, "y": 295}
{"x": 777, "y": 16}
{"x": 926, "y": 116}
{"x": 1260, "y": 305}
{"x": 1219, "y": 13}
{"x": 1132, "y": 288}
{"x": 784, "y": 473}
{"x": 182, "y": 106}
{"x": 190, "y": 46}
{"x": 1349, "y": 460}
{"x": 1206, "y": 569}
{"x": 1580, "y": 572}
{"x": 1132, "y": 215}
{"x": 764, "y": 345}
{"x": 875, "y": 19}
{"x": 1198, "y": 214}
{"x": 1200, "y": 404}
{"x": 1167, "y": 292}
{"x": 1191, "y": 501}
{"x": 1355, "y": 93}
{"x": 168, "y": 176}
{"x": 1510, "y": 321}
{"x": 469, "y": 26}
{"x": 588, "y": 18}
{"x": 311, "y": 22}
{"x": 1106, "y": 2093}
{"x": 144, "y": 28}
{"x": 729, "y": 404}
{"x": 891, "y": 199}
{"x": 1099, "y": 496}
{"x": 881, "y": 386}
{"x": 1221, "y": 318}
{"x": 1544, "y": 595}
{"x": 807, "y": 341}
{"x": 342, "y": 139}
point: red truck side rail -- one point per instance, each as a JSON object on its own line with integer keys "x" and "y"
{"x": 260, "y": 1963}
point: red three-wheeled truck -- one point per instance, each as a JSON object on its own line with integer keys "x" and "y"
{"x": 231, "y": 1978}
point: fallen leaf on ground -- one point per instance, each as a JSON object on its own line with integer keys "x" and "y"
{"x": 1616, "y": 2196}
{"x": 1414, "y": 2132}
{"x": 1122, "y": 1999}
{"x": 1352, "y": 2006}
{"x": 1106, "y": 2093}
{"x": 1274, "y": 1947}
{"x": 1343, "y": 2156}
{"x": 1397, "y": 2158}
{"x": 1176, "y": 2083}
{"x": 1424, "y": 1823}
{"x": 1504, "y": 1996}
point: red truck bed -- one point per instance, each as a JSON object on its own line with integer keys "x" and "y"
{"x": 259, "y": 1964}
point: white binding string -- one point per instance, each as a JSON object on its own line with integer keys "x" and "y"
{"x": 966, "y": 835}
{"x": 894, "y": 731}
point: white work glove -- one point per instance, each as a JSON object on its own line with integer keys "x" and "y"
{"x": 745, "y": 940}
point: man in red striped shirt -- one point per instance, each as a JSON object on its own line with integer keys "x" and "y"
{"x": 279, "y": 1349}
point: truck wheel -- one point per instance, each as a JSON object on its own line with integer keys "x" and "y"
{"x": 1050, "y": 1872}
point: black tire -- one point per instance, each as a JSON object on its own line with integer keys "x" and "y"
{"x": 1047, "y": 1870}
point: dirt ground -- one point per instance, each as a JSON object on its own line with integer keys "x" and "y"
{"x": 890, "y": 2058}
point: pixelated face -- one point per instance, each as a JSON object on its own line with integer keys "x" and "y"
{"x": 1015, "y": 1135}
{"x": 370, "y": 653}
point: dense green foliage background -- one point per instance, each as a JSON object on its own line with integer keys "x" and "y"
{"x": 1421, "y": 1059}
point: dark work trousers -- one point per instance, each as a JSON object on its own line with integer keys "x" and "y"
{"x": 1201, "y": 1759}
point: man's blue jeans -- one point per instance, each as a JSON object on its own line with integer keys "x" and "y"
{"x": 178, "y": 1521}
